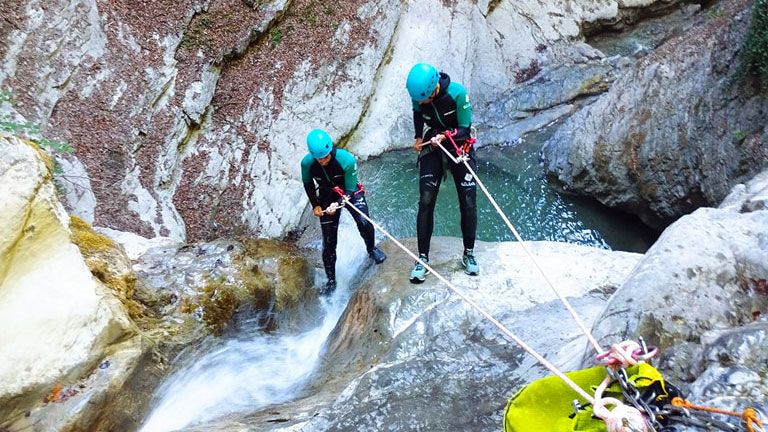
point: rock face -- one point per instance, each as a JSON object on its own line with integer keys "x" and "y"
{"x": 674, "y": 133}
{"x": 57, "y": 323}
{"x": 188, "y": 118}
{"x": 701, "y": 294}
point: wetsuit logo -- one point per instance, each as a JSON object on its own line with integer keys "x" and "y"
{"x": 468, "y": 181}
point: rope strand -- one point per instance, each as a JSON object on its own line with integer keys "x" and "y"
{"x": 565, "y": 302}
{"x": 749, "y": 415}
{"x": 485, "y": 314}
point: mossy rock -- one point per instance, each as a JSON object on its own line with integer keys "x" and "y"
{"x": 108, "y": 263}
{"x": 258, "y": 285}
{"x": 292, "y": 276}
{"x": 210, "y": 283}
{"x": 218, "y": 306}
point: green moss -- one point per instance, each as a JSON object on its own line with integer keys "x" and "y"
{"x": 715, "y": 12}
{"x": 276, "y": 37}
{"x": 294, "y": 277}
{"x": 218, "y": 304}
{"x": 258, "y": 286}
{"x": 738, "y": 135}
{"x": 756, "y": 44}
{"x": 89, "y": 241}
{"x": 197, "y": 34}
{"x": 101, "y": 255}
{"x": 292, "y": 272}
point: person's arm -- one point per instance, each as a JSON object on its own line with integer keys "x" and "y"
{"x": 309, "y": 184}
{"x": 418, "y": 121}
{"x": 349, "y": 165}
{"x": 463, "y": 111}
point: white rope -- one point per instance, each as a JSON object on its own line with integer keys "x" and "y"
{"x": 584, "y": 329}
{"x": 622, "y": 418}
{"x": 493, "y": 321}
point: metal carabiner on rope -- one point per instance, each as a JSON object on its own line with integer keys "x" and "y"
{"x": 343, "y": 200}
{"x": 333, "y": 207}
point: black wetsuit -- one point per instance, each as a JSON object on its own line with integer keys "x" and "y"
{"x": 449, "y": 110}
{"x": 319, "y": 182}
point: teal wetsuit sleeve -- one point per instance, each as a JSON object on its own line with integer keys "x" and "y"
{"x": 306, "y": 178}
{"x": 349, "y": 165}
{"x": 418, "y": 121}
{"x": 306, "y": 163}
{"x": 463, "y": 110}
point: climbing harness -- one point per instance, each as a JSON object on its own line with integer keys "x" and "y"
{"x": 341, "y": 202}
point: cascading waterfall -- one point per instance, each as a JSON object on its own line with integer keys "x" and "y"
{"x": 252, "y": 369}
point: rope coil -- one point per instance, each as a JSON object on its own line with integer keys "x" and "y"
{"x": 625, "y": 354}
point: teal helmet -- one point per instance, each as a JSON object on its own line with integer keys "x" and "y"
{"x": 319, "y": 143}
{"x": 422, "y": 81}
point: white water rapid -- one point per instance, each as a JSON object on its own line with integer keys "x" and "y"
{"x": 253, "y": 369}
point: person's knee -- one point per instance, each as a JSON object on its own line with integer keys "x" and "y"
{"x": 427, "y": 199}
{"x": 329, "y": 241}
{"x": 470, "y": 203}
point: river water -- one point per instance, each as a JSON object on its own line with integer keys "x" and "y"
{"x": 513, "y": 175}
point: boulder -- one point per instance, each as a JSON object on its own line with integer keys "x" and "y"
{"x": 209, "y": 282}
{"x": 675, "y": 132}
{"x": 701, "y": 295}
{"x": 59, "y": 327}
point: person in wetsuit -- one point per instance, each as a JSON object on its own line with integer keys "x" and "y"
{"x": 441, "y": 105}
{"x": 323, "y": 169}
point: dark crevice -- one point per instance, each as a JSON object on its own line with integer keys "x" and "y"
{"x": 163, "y": 92}
{"x": 385, "y": 60}
{"x": 254, "y": 38}
{"x": 492, "y": 7}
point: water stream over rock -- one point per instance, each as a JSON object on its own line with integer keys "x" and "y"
{"x": 251, "y": 368}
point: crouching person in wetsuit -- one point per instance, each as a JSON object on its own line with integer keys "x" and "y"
{"x": 443, "y": 106}
{"x": 322, "y": 170}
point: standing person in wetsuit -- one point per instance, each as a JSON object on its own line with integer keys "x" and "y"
{"x": 443, "y": 106}
{"x": 323, "y": 169}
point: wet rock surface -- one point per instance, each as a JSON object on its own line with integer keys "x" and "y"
{"x": 415, "y": 357}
